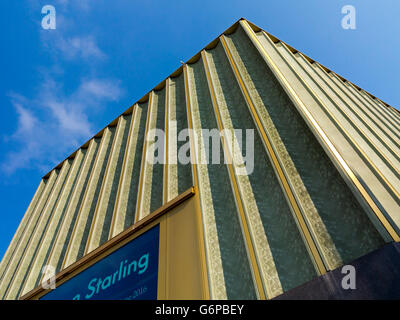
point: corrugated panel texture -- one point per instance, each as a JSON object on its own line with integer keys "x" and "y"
{"x": 323, "y": 190}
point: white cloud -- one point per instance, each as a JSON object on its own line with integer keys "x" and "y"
{"x": 84, "y": 47}
{"x": 52, "y": 124}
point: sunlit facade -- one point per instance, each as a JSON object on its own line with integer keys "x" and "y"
{"x": 323, "y": 190}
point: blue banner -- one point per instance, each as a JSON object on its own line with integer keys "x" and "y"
{"x": 129, "y": 273}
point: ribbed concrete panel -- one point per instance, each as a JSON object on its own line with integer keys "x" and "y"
{"x": 229, "y": 268}
{"x": 105, "y": 205}
{"x": 262, "y": 211}
{"x": 376, "y": 129}
{"x": 342, "y": 151}
{"x": 247, "y": 60}
{"x": 47, "y": 241}
{"x": 352, "y": 131}
{"x": 366, "y": 133}
{"x": 34, "y": 242}
{"x": 22, "y": 226}
{"x": 151, "y": 193}
{"x": 58, "y": 251}
{"x": 124, "y": 213}
{"x": 297, "y": 169}
{"x": 24, "y": 240}
{"x": 172, "y": 141}
{"x": 80, "y": 233}
{"x": 380, "y": 113}
{"x": 309, "y": 162}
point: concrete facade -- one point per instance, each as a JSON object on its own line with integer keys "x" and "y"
{"x": 325, "y": 189}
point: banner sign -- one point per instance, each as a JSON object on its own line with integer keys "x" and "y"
{"x": 129, "y": 273}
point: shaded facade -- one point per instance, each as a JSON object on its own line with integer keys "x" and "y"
{"x": 323, "y": 192}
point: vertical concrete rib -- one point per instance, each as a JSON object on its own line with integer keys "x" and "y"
{"x": 381, "y": 111}
{"x": 125, "y": 205}
{"x": 362, "y": 112}
{"x": 343, "y": 167}
{"x": 315, "y": 234}
{"x": 29, "y": 254}
{"x": 373, "y": 157}
{"x": 22, "y": 226}
{"x": 49, "y": 235}
{"x": 168, "y": 125}
{"x": 82, "y": 225}
{"x": 379, "y": 114}
{"x": 185, "y": 176}
{"x": 229, "y": 274}
{"x": 366, "y": 108}
{"x": 264, "y": 270}
{"x": 56, "y": 255}
{"x": 21, "y": 247}
{"x": 101, "y": 223}
{"x": 144, "y": 163}
{"x": 152, "y": 179}
{"x": 363, "y": 136}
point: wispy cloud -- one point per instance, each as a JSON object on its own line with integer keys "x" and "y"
{"x": 79, "y": 47}
{"x": 52, "y": 123}
{"x": 60, "y": 116}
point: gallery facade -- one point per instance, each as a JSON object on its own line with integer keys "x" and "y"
{"x": 316, "y": 187}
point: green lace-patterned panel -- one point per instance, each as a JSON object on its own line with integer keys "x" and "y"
{"x": 347, "y": 224}
{"x": 130, "y": 198}
{"x": 236, "y": 269}
{"x": 184, "y": 170}
{"x": 289, "y": 253}
{"x": 158, "y": 168}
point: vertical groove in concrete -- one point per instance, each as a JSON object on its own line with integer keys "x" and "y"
{"x": 172, "y": 138}
{"x": 22, "y": 226}
{"x": 152, "y": 188}
{"x": 37, "y": 235}
{"x": 222, "y": 89}
{"x": 14, "y": 262}
{"x": 184, "y": 170}
{"x": 125, "y": 207}
{"x": 82, "y": 225}
{"x": 48, "y": 239}
{"x": 381, "y": 113}
{"x": 198, "y": 98}
{"x": 105, "y": 205}
{"x": 352, "y": 133}
{"x": 56, "y": 255}
{"x": 360, "y": 111}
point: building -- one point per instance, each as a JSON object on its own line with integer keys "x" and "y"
{"x": 123, "y": 218}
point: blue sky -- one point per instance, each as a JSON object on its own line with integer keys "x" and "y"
{"x": 59, "y": 87}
